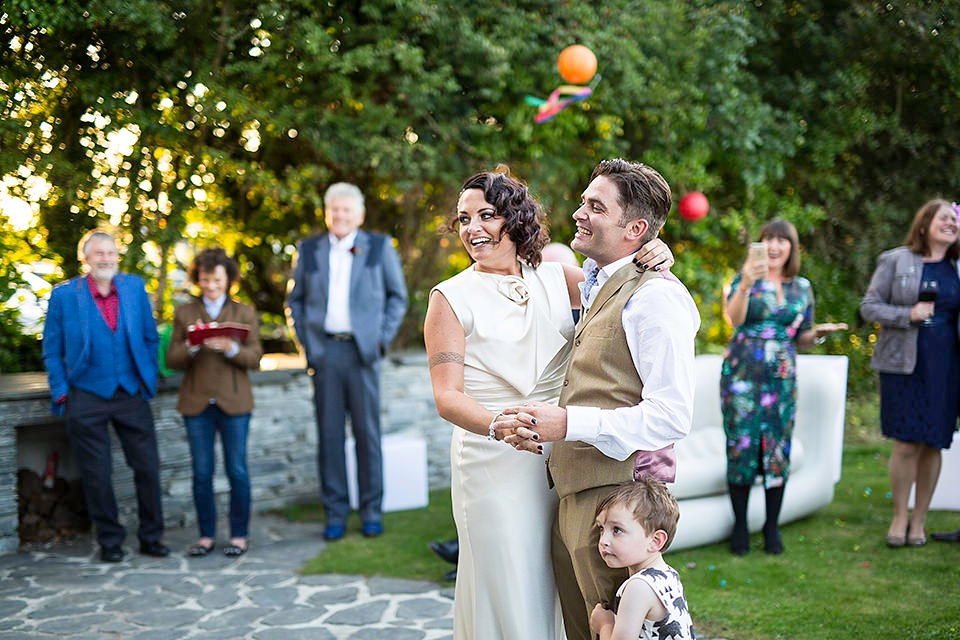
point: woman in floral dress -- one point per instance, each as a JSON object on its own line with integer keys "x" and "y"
{"x": 771, "y": 310}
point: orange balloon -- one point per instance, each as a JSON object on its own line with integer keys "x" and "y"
{"x": 577, "y": 64}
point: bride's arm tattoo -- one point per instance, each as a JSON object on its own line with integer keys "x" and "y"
{"x": 444, "y": 357}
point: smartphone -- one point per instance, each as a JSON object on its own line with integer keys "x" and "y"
{"x": 758, "y": 252}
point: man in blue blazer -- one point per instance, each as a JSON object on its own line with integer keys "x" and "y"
{"x": 347, "y": 301}
{"x": 100, "y": 351}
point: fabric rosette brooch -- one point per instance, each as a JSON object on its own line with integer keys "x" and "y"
{"x": 513, "y": 288}
{"x": 355, "y": 250}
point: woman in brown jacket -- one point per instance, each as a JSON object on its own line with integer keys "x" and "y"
{"x": 215, "y": 394}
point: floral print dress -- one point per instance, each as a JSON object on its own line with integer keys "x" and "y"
{"x": 758, "y": 381}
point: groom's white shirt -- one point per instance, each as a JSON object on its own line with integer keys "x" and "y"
{"x": 660, "y": 321}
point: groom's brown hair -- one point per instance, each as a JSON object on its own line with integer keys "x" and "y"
{"x": 643, "y": 193}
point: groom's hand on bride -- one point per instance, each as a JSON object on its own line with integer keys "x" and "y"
{"x": 535, "y": 423}
{"x": 524, "y": 439}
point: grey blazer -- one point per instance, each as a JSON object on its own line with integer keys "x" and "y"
{"x": 891, "y": 295}
{"x": 378, "y": 295}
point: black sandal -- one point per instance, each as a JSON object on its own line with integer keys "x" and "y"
{"x": 232, "y": 551}
{"x": 198, "y": 550}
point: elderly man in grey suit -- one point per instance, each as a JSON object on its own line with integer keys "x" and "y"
{"x": 347, "y": 301}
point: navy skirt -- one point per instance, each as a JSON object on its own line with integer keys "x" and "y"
{"x": 923, "y": 406}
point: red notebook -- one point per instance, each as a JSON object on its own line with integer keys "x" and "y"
{"x": 197, "y": 333}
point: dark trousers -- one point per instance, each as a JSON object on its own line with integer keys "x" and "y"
{"x": 87, "y": 417}
{"x": 342, "y": 383}
{"x": 202, "y": 432}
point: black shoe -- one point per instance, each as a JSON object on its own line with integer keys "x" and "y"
{"x": 740, "y": 541}
{"x": 450, "y": 576}
{"x": 952, "y": 536}
{"x": 198, "y": 550}
{"x": 449, "y": 550}
{"x": 772, "y": 542}
{"x": 111, "y": 554}
{"x": 156, "y": 549}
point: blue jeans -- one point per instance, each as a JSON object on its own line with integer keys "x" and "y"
{"x": 201, "y": 432}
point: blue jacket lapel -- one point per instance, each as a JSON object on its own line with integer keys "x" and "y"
{"x": 323, "y": 264}
{"x": 126, "y": 307}
{"x": 362, "y": 248}
{"x": 85, "y": 307}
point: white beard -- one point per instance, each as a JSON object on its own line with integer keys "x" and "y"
{"x": 104, "y": 274}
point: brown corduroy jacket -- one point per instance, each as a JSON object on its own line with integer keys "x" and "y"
{"x": 210, "y": 375}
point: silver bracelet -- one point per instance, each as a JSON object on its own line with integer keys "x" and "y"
{"x": 819, "y": 339}
{"x": 492, "y": 433}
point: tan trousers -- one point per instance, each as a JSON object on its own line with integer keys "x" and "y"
{"x": 583, "y": 578}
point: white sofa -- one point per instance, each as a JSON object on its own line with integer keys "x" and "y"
{"x": 817, "y": 449}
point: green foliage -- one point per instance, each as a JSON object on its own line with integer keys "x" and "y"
{"x": 841, "y": 116}
{"x": 18, "y": 351}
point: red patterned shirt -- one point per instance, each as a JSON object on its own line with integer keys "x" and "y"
{"x": 108, "y": 304}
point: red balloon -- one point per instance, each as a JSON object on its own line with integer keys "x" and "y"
{"x": 693, "y": 206}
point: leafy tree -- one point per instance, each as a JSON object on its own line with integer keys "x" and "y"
{"x": 873, "y": 87}
{"x": 223, "y": 122}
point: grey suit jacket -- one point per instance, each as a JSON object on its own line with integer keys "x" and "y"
{"x": 891, "y": 295}
{"x": 378, "y": 295}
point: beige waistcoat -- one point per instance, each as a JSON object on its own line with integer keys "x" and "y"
{"x": 601, "y": 374}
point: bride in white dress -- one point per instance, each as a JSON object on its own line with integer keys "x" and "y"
{"x": 498, "y": 335}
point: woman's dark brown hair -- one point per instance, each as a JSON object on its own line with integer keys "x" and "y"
{"x": 917, "y": 240}
{"x": 780, "y": 228}
{"x": 208, "y": 260}
{"x": 523, "y": 217}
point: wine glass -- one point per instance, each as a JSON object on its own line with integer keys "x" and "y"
{"x": 928, "y": 293}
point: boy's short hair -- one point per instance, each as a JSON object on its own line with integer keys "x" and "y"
{"x": 652, "y": 505}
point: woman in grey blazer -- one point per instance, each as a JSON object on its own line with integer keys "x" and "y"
{"x": 918, "y": 357}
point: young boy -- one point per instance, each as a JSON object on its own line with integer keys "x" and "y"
{"x": 637, "y": 522}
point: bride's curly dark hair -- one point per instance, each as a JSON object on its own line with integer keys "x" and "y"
{"x": 524, "y": 222}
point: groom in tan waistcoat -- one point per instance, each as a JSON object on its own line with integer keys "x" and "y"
{"x": 628, "y": 392}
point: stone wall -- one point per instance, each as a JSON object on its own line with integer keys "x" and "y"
{"x": 282, "y": 444}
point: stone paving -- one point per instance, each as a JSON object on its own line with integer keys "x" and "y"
{"x": 64, "y": 591}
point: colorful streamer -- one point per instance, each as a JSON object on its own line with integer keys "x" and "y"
{"x": 549, "y": 108}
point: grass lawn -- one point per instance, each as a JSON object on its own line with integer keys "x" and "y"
{"x": 837, "y": 579}
{"x": 401, "y": 552}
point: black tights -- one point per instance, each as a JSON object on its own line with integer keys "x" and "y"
{"x": 740, "y": 538}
